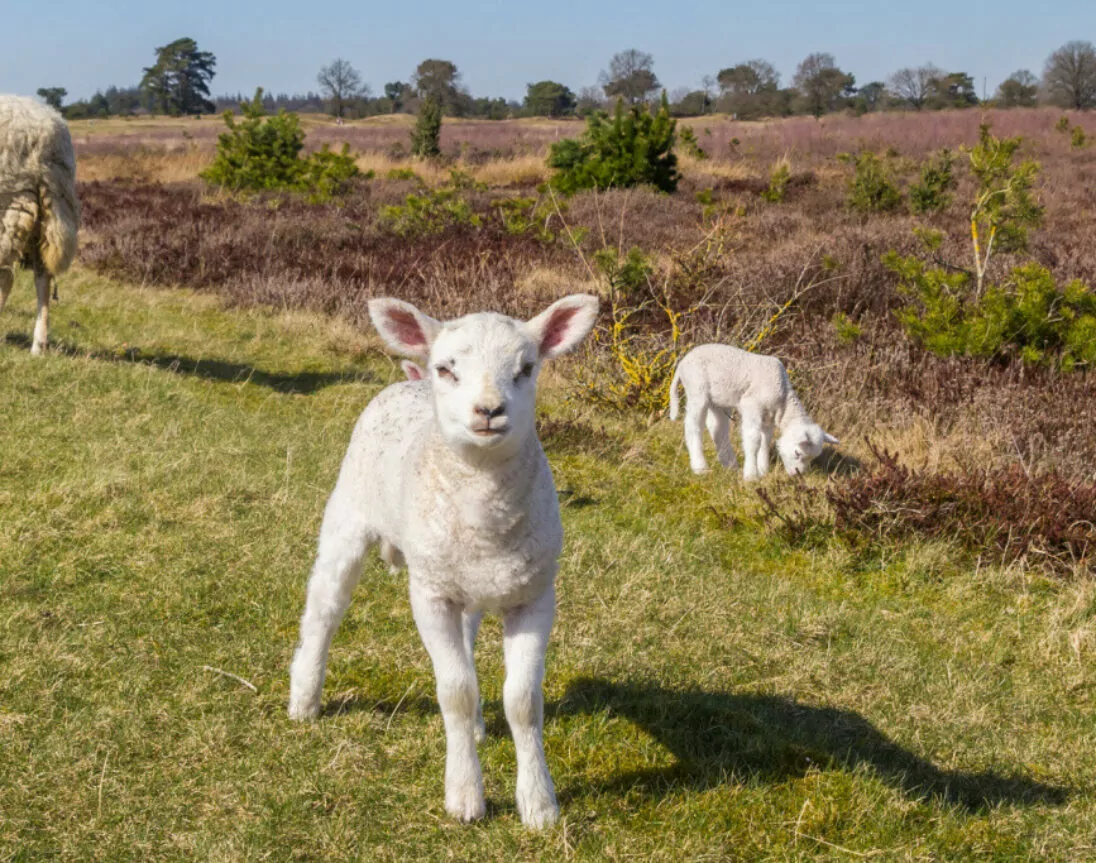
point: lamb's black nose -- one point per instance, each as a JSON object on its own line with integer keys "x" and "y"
{"x": 491, "y": 413}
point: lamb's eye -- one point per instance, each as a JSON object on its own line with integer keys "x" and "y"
{"x": 526, "y": 372}
{"x": 446, "y": 372}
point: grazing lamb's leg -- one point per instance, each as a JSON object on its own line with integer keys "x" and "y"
{"x": 752, "y": 437}
{"x": 470, "y": 622}
{"x": 695, "y": 411}
{"x": 7, "y": 279}
{"x": 719, "y": 427}
{"x": 525, "y": 640}
{"x": 336, "y": 572}
{"x": 442, "y": 632}
{"x": 764, "y": 447}
{"x": 43, "y": 282}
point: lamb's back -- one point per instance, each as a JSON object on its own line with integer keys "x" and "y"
{"x": 732, "y": 375}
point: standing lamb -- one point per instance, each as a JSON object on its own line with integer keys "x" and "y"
{"x": 721, "y": 378}
{"x": 447, "y": 473}
{"x": 39, "y": 213}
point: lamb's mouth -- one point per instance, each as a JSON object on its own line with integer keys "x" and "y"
{"x": 489, "y": 431}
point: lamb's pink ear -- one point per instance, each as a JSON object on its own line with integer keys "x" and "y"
{"x": 403, "y": 327}
{"x": 829, "y": 438}
{"x": 565, "y": 323}
{"x": 413, "y": 371}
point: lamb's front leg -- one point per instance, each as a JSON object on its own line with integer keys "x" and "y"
{"x": 440, "y": 626}
{"x": 525, "y": 639}
{"x": 471, "y": 621}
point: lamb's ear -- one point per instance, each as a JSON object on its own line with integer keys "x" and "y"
{"x": 403, "y": 327}
{"x": 829, "y": 438}
{"x": 413, "y": 371}
{"x": 565, "y": 323}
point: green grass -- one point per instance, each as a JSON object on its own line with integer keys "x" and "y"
{"x": 714, "y": 690}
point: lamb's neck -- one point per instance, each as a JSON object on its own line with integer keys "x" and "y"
{"x": 793, "y": 413}
{"x": 471, "y": 470}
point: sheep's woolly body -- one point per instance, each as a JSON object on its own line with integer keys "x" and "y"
{"x": 39, "y": 212}
{"x": 720, "y": 379}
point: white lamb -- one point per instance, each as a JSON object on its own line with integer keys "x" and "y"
{"x": 448, "y": 474}
{"x": 721, "y": 378}
{"x": 39, "y": 213}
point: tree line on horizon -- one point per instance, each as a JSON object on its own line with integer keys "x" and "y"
{"x": 178, "y": 84}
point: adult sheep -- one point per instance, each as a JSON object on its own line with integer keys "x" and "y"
{"x": 39, "y": 212}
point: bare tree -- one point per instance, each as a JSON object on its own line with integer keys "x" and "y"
{"x": 1070, "y": 76}
{"x": 914, "y": 85}
{"x": 341, "y": 83}
{"x": 631, "y": 76}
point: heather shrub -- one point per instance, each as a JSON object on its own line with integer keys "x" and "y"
{"x": 1041, "y": 518}
{"x": 634, "y": 147}
{"x": 871, "y": 188}
{"x": 930, "y": 193}
{"x": 262, "y": 152}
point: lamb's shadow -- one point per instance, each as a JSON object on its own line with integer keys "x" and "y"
{"x": 719, "y": 737}
{"x": 303, "y": 383}
{"x": 417, "y": 704}
{"x": 834, "y": 462}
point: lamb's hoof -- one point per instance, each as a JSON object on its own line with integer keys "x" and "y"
{"x": 37, "y": 350}
{"x": 303, "y": 710}
{"x": 701, "y": 471}
{"x": 538, "y": 811}
{"x": 466, "y": 804}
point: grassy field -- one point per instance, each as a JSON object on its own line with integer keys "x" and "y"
{"x": 716, "y": 689}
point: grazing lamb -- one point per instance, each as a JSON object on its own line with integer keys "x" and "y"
{"x": 720, "y": 378}
{"x": 448, "y": 474}
{"x": 39, "y": 213}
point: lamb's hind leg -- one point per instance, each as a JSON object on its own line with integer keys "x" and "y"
{"x": 695, "y": 411}
{"x": 442, "y": 632}
{"x": 752, "y": 439}
{"x": 7, "y": 279}
{"x": 43, "y": 281}
{"x": 719, "y": 427}
{"x": 338, "y": 567}
{"x": 525, "y": 639}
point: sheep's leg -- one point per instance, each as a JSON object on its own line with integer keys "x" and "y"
{"x": 43, "y": 283}
{"x": 764, "y": 448}
{"x": 470, "y": 622}
{"x": 7, "y": 279}
{"x": 525, "y": 641}
{"x": 336, "y": 572}
{"x": 442, "y": 632}
{"x": 695, "y": 411}
{"x": 752, "y": 437}
{"x": 719, "y": 427}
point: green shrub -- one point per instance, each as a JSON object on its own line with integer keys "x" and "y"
{"x": 871, "y": 188}
{"x": 403, "y": 174}
{"x": 635, "y": 147}
{"x": 628, "y": 277}
{"x": 930, "y": 194}
{"x": 691, "y": 145}
{"x": 263, "y": 152}
{"x": 1029, "y": 316}
{"x": 1063, "y": 124}
{"x": 1078, "y": 138}
{"x": 848, "y": 331}
{"x": 426, "y": 136}
{"x": 778, "y": 183}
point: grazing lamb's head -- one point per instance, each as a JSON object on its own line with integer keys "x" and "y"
{"x": 484, "y": 366}
{"x": 801, "y": 444}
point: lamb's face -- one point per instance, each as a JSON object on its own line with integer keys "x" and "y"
{"x": 484, "y": 372}
{"x": 802, "y": 444}
{"x": 483, "y": 367}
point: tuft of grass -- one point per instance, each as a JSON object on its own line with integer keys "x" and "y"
{"x": 714, "y": 689}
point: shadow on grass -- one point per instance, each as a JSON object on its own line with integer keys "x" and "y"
{"x": 719, "y": 737}
{"x": 833, "y": 462}
{"x": 304, "y": 383}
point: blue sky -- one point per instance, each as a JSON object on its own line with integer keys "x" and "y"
{"x": 499, "y": 46}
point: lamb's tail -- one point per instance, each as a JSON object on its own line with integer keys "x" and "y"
{"x": 59, "y": 212}
{"x": 674, "y": 384}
